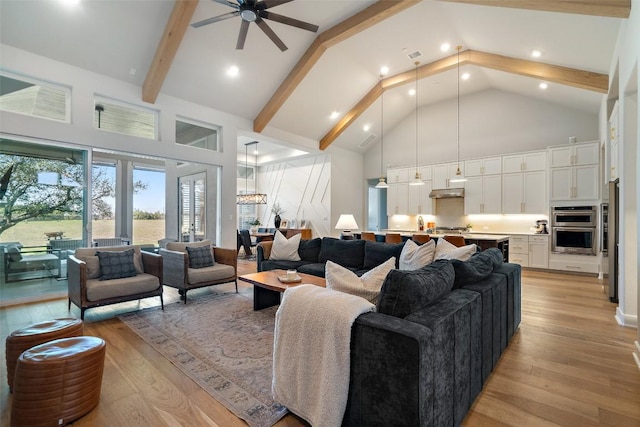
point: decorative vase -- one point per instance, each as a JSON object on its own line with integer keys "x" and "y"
{"x": 277, "y": 221}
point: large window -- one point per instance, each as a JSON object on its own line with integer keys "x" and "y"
{"x": 149, "y": 206}
{"x": 27, "y": 96}
{"x": 116, "y": 116}
{"x": 195, "y": 134}
{"x": 103, "y": 222}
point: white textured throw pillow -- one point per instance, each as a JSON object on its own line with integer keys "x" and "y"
{"x": 414, "y": 256}
{"x": 366, "y": 286}
{"x": 446, "y": 250}
{"x": 284, "y": 249}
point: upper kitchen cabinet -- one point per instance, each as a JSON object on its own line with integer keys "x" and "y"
{"x": 487, "y": 166}
{"x": 483, "y": 195}
{"x": 524, "y": 193}
{"x": 443, "y": 173}
{"x": 575, "y": 155}
{"x": 613, "y": 144}
{"x": 533, "y": 161}
{"x": 398, "y": 199}
{"x": 398, "y": 175}
{"x": 419, "y": 201}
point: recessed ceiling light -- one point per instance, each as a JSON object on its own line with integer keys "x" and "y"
{"x": 384, "y": 70}
{"x": 465, "y": 76}
{"x": 334, "y": 115}
{"x": 543, "y": 86}
{"x": 366, "y": 127}
{"x": 445, "y": 47}
{"x": 536, "y": 53}
{"x": 412, "y": 92}
{"x": 233, "y": 71}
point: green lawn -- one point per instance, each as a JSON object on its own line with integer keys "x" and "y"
{"x": 32, "y": 233}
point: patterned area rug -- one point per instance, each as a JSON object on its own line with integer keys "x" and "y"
{"x": 223, "y": 345}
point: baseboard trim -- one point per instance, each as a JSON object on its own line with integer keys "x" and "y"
{"x": 626, "y": 320}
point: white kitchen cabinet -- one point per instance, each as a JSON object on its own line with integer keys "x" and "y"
{"x": 398, "y": 175}
{"x": 533, "y": 161}
{"x": 576, "y": 263}
{"x": 575, "y": 155}
{"x": 613, "y": 144}
{"x": 419, "y": 201}
{"x": 442, "y": 173}
{"x": 483, "y": 195}
{"x": 574, "y": 183}
{"x": 539, "y": 251}
{"x": 486, "y": 166}
{"x": 524, "y": 192}
{"x": 519, "y": 250}
{"x": 425, "y": 173}
{"x": 397, "y": 199}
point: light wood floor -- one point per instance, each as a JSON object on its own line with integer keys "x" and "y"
{"x": 569, "y": 364}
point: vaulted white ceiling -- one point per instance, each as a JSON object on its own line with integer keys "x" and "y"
{"x": 116, "y": 37}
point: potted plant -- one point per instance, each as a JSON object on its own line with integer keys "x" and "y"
{"x": 469, "y": 227}
{"x": 277, "y": 211}
{"x": 254, "y": 225}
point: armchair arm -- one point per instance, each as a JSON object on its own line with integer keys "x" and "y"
{"x": 175, "y": 267}
{"x": 263, "y": 250}
{"x": 152, "y": 264}
{"x": 77, "y": 271}
{"x": 226, "y": 256}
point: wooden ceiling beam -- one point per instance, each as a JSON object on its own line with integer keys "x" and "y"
{"x": 608, "y": 8}
{"x": 167, "y": 48}
{"x": 357, "y": 23}
{"x": 551, "y": 73}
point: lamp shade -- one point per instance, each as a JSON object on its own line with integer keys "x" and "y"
{"x": 346, "y": 222}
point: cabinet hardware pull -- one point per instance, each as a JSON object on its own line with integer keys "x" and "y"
{"x": 575, "y": 267}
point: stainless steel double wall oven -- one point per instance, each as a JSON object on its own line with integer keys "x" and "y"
{"x": 573, "y": 229}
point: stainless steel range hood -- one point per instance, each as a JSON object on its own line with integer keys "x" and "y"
{"x": 447, "y": 193}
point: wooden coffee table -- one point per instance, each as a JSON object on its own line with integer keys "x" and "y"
{"x": 267, "y": 288}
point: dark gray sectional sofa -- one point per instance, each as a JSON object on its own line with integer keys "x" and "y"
{"x": 438, "y": 332}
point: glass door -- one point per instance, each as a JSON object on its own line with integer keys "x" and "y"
{"x": 192, "y": 207}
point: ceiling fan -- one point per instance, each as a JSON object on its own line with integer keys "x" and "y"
{"x": 256, "y": 11}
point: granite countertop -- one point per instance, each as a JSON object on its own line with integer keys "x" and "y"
{"x": 471, "y": 236}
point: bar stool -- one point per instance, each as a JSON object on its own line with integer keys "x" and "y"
{"x": 455, "y": 240}
{"x": 57, "y": 382}
{"x": 393, "y": 238}
{"x": 38, "y": 333}
{"x": 420, "y": 238}
{"x": 367, "y": 235}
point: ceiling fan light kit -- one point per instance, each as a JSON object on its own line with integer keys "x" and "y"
{"x": 256, "y": 11}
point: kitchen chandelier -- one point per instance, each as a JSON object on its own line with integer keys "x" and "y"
{"x": 253, "y": 198}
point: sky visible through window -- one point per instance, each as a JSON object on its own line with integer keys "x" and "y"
{"x": 151, "y": 199}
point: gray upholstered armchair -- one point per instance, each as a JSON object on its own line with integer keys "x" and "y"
{"x": 181, "y": 273}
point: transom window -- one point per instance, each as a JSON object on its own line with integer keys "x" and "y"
{"x": 31, "y": 97}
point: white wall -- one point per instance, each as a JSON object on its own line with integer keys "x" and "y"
{"x": 348, "y": 187}
{"x": 85, "y": 85}
{"x": 492, "y": 122}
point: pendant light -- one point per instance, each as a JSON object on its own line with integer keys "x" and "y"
{"x": 381, "y": 183}
{"x": 416, "y": 179}
{"x": 253, "y": 198}
{"x": 459, "y": 177}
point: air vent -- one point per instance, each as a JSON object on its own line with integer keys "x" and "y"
{"x": 367, "y": 140}
{"x": 414, "y": 55}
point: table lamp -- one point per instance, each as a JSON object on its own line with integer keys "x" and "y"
{"x": 346, "y": 223}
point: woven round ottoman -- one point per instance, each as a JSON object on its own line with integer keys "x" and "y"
{"x": 57, "y": 382}
{"x": 35, "y": 334}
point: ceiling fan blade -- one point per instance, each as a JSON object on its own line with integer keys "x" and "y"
{"x": 229, "y": 3}
{"x": 266, "y": 4}
{"x": 242, "y": 36}
{"x": 289, "y": 21}
{"x": 215, "y": 19}
{"x": 269, "y": 32}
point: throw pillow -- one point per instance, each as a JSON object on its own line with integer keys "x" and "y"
{"x": 93, "y": 266}
{"x": 375, "y": 253}
{"x": 446, "y": 250}
{"x": 284, "y": 249}
{"x": 116, "y": 264}
{"x": 366, "y": 286}
{"x": 347, "y": 253}
{"x": 309, "y": 249}
{"x": 416, "y": 256}
{"x": 200, "y": 256}
{"x": 406, "y": 291}
{"x": 137, "y": 261}
{"x": 478, "y": 267}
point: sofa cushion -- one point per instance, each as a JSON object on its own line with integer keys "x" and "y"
{"x": 182, "y": 247}
{"x": 405, "y": 291}
{"x": 14, "y": 253}
{"x": 347, "y": 253}
{"x": 200, "y": 256}
{"x": 93, "y": 267}
{"x": 83, "y": 253}
{"x": 100, "y": 289}
{"x": 284, "y": 249}
{"x": 479, "y": 266}
{"x": 281, "y": 265}
{"x": 310, "y": 249}
{"x": 116, "y": 264}
{"x": 446, "y": 250}
{"x": 366, "y": 286}
{"x": 375, "y": 253}
{"x": 315, "y": 269}
{"x": 416, "y": 256}
{"x": 213, "y": 273}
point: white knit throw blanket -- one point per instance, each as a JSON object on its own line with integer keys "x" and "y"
{"x": 311, "y": 354}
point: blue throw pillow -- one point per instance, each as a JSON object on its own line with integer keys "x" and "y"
{"x": 200, "y": 256}
{"x": 310, "y": 249}
{"x": 406, "y": 291}
{"x": 347, "y": 253}
{"x": 375, "y": 253}
{"x": 116, "y": 264}
{"x": 479, "y": 266}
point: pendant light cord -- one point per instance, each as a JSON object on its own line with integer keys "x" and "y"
{"x": 381, "y": 126}
{"x": 458, "y": 113}
{"x": 416, "y": 83}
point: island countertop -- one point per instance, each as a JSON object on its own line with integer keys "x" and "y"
{"x": 467, "y": 236}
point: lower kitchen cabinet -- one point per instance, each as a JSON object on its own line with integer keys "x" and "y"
{"x": 529, "y": 251}
{"x": 574, "y": 263}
